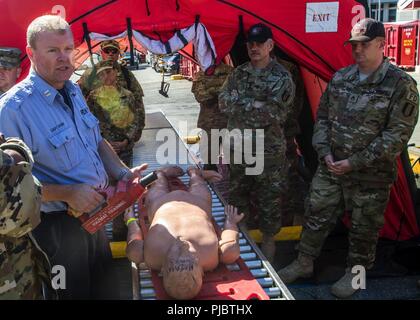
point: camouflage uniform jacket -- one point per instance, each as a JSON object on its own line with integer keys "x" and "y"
{"x": 273, "y": 86}
{"x": 368, "y": 122}
{"x": 206, "y": 90}
{"x": 89, "y": 81}
{"x": 20, "y": 201}
{"x": 118, "y": 112}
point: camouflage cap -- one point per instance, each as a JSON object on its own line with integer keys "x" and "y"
{"x": 366, "y": 30}
{"x": 110, "y": 44}
{"x": 9, "y": 57}
{"x": 105, "y": 64}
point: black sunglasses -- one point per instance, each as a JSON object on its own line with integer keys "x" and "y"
{"x": 110, "y": 50}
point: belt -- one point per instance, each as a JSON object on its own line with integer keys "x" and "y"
{"x": 54, "y": 212}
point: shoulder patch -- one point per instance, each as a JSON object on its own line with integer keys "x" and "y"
{"x": 412, "y": 94}
{"x": 408, "y": 109}
{"x": 411, "y": 98}
{"x": 279, "y": 68}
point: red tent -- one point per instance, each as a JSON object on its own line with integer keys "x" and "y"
{"x": 311, "y": 32}
{"x": 294, "y": 23}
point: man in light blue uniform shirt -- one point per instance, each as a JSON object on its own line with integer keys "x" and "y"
{"x": 72, "y": 161}
{"x": 64, "y": 139}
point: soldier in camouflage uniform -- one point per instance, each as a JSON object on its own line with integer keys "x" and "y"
{"x": 117, "y": 110}
{"x": 206, "y": 90}
{"x": 19, "y": 214}
{"x": 125, "y": 79}
{"x": 365, "y": 119}
{"x": 9, "y": 68}
{"x": 110, "y": 50}
{"x": 258, "y": 95}
{"x": 120, "y": 120}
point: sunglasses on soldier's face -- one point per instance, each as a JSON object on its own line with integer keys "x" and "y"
{"x": 110, "y": 50}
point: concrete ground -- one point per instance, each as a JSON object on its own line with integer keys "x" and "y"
{"x": 180, "y": 107}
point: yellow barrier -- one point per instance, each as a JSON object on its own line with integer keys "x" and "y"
{"x": 285, "y": 234}
{"x": 118, "y": 249}
{"x": 413, "y": 158}
{"x": 177, "y": 77}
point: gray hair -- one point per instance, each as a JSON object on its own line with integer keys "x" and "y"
{"x": 45, "y": 23}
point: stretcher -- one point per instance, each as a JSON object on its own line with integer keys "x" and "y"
{"x": 233, "y": 282}
{"x": 250, "y": 277}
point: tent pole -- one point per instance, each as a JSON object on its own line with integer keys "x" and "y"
{"x": 130, "y": 41}
{"x": 89, "y": 44}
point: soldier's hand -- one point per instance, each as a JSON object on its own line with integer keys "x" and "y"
{"x": 342, "y": 167}
{"x": 258, "y": 104}
{"x": 116, "y": 146}
{"x": 119, "y": 145}
{"x": 331, "y": 165}
{"x": 329, "y": 160}
{"x": 234, "y": 95}
{"x": 232, "y": 215}
{"x": 83, "y": 198}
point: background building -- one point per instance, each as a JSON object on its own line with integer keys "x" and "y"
{"x": 383, "y": 10}
{"x": 408, "y": 10}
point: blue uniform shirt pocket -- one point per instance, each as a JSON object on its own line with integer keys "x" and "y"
{"x": 90, "y": 120}
{"x": 93, "y": 131}
{"x": 65, "y": 149}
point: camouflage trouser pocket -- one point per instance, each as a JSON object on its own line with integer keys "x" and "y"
{"x": 367, "y": 218}
{"x": 240, "y": 187}
{"x": 7, "y": 279}
{"x": 368, "y": 207}
{"x": 325, "y": 192}
{"x": 18, "y": 279}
